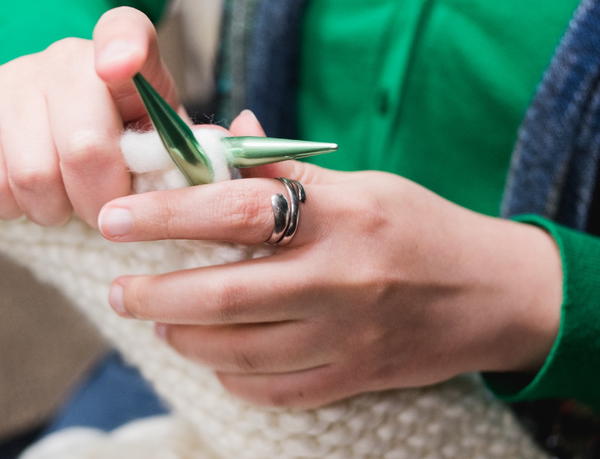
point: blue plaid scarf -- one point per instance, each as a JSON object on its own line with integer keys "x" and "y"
{"x": 259, "y": 62}
{"x": 273, "y": 65}
{"x": 555, "y": 162}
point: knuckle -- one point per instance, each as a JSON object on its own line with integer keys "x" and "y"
{"x": 371, "y": 213}
{"x": 56, "y": 218}
{"x": 34, "y": 179}
{"x": 245, "y": 361}
{"x": 169, "y": 217}
{"x": 227, "y": 305}
{"x": 13, "y": 71}
{"x": 305, "y": 173}
{"x": 247, "y": 212}
{"x": 374, "y": 217}
{"x": 85, "y": 147}
{"x": 67, "y": 46}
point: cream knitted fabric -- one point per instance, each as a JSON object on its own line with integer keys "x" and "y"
{"x": 456, "y": 419}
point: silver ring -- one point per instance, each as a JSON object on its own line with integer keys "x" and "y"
{"x": 286, "y": 212}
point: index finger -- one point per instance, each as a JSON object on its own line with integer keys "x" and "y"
{"x": 86, "y": 137}
{"x": 237, "y": 211}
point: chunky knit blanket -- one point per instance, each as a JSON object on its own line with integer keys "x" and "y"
{"x": 456, "y": 419}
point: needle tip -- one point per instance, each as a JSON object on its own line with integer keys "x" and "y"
{"x": 255, "y": 151}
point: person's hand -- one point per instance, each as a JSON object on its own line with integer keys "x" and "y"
{"x": 62, "y": 114}
{"x": 385, "y": 285}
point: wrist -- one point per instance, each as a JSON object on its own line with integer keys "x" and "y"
{"x": 528, "y": 284}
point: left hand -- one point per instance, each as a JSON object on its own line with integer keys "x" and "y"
{"x": 385, "y": 285}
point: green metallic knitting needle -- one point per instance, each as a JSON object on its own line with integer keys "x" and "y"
{"x": 256, "y": 151}
{"x": 176, "y": 135}
{"x": 191, "y": 160}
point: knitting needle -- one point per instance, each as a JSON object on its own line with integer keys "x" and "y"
{"x": 189, "y": 157}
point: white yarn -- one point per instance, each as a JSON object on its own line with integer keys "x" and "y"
{"x": 456, "y": 419}
{"x": 159, "y": 437}
{"x": 153, "y": 168}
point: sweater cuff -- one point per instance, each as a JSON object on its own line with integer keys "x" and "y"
{"x": 572, "y": 368}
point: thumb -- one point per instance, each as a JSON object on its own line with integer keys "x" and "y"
{"x": 246, "y": 123}
{"x": 125, "y": 43}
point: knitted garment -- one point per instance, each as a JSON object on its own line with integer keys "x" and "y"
{"x": 555, "y": 163}
{"x": 457, "y": 419}
{"x": 271, "y": 94}
{"x": 554, "y": 173}
{"x": 255, "y": 71}
{"x": 236, "y": 36}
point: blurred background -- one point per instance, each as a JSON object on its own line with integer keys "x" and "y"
{"x": 46, "y": 345}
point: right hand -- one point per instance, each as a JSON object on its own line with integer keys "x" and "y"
{"x": 62, "y": 114}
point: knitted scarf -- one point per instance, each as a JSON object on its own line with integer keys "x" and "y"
{"x": 236, "y": 37}
{"x": 269, "y": 52}
{"x": 555, "y": 162}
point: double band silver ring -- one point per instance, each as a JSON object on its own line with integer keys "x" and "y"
{"x": 286, "y": 212}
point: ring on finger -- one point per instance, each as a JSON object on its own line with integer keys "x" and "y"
{"x": 286, "y": 212}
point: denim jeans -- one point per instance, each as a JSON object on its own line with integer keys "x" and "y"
{"x": 112, "y": 394}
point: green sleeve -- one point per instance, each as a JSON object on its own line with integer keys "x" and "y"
{"x": 572, "y": 368}
{"x": 30, "y": 26}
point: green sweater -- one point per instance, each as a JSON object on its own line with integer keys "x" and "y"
{"x": 433, "y": 90}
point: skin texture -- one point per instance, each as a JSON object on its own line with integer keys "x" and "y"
{"x": 429, "y": 289}
{"x": 385, "y": 284}
{"x": 67, "y": 142}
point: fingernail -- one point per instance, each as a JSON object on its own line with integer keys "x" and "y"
{"x": 249, "y": 114}
{"x": 117, "y": 50}
{"x": 161, "y": 331}
{"x": 115, "y": 222}
{"x": 115, "y": 298}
